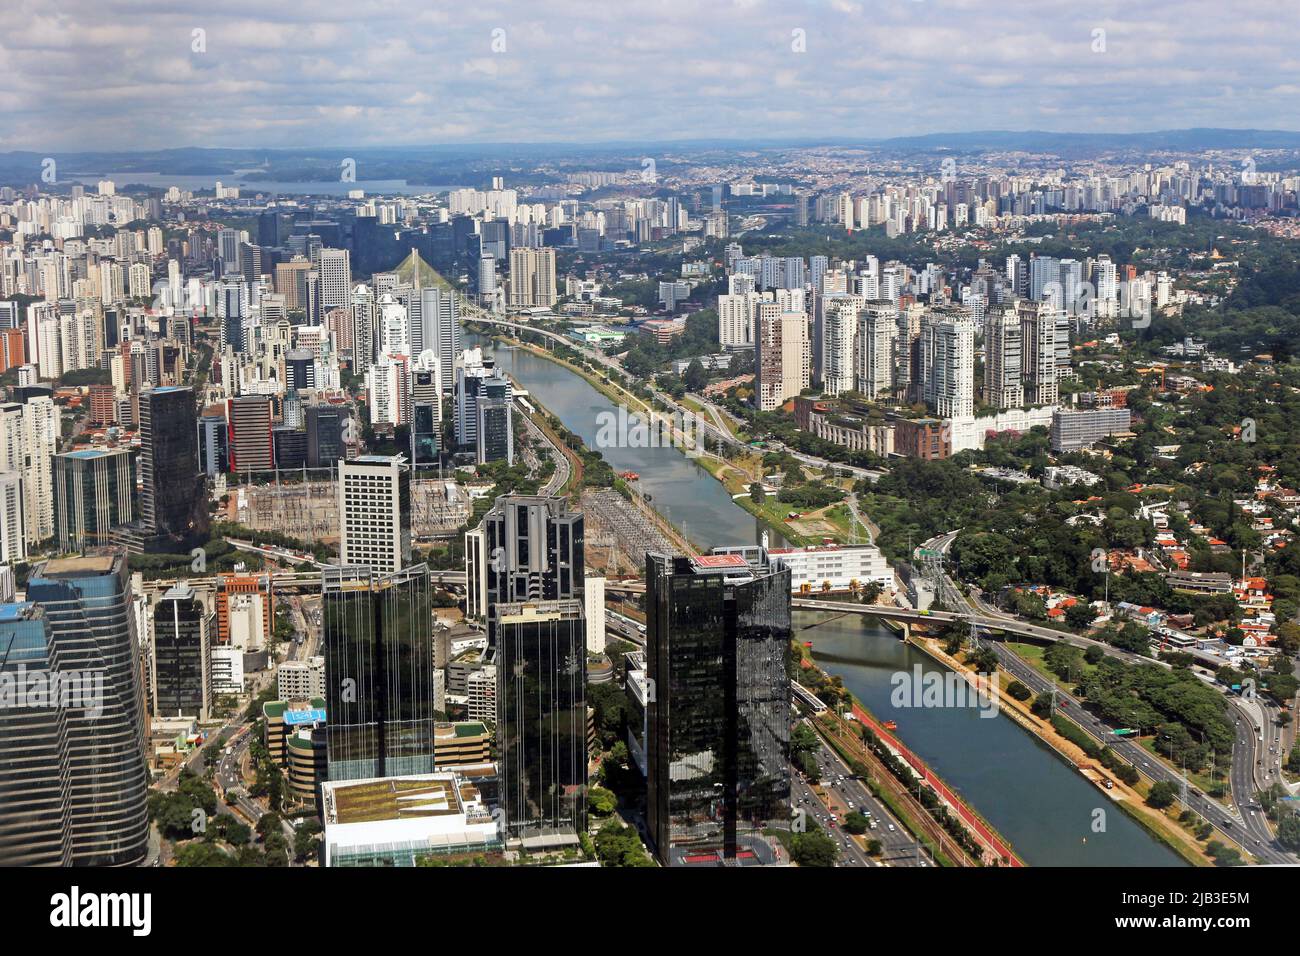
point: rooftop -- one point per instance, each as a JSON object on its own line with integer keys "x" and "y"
{"x": 394, "y": 798}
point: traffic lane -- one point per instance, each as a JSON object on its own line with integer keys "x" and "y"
{"x": 895, "y": 841}
{"x": 806, "y": 799}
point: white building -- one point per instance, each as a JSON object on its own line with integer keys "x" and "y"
{"x": 301, "y": 680}
{"x": 227, "y": 670}
{"x": 593, "y": 596}
{"x": 839, "y": 565}
{"x": 374, "y": 513}
{"x": 392, "y": 821}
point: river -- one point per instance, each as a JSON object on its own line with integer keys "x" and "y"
{"x": 1036, "y": 801}
{"x": 681, "y": 490}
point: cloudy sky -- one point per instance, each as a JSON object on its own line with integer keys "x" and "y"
{"x": 123, "y": 74}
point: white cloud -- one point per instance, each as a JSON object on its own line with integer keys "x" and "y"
{"x": 121, "y": 73}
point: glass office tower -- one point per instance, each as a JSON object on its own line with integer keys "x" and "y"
{"x": 173, "y": 498}
{"x": 378, "y": 633}
{"x": 718, "y": 735}
{"x": 542, "y": 721}
{"x": 182, "y": 655}
{"x": 94, "y": 492}
{"x": 35, "y": 779}
{"x": 87, "y": 603}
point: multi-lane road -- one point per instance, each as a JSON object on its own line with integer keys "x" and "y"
{"x": 844, "y": 794}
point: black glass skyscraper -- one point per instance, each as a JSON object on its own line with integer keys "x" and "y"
{"x": 378, "y": 632}
{"x": 542, "y": 721}
{"x": 181, "y": 659}
{"x": 324, "y": 435}
{"x": 173, "y": 499}
{"x": 717, "y": 741}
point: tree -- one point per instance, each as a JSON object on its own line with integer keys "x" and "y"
{"x": 306, "y": 841}
{"x": 1162, "y": 794}
{"x": 695, "y": 377}
{"x": 855, "y": 822}
{"x": 1019, "y": 691}
{"x": 813, "y": 848}
{"x": 757, "y": 494}
{"x": 601, "y": 802}
{"x": 1288, "y": 831}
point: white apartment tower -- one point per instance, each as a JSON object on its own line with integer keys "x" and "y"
{"x": 1003, "y": 385}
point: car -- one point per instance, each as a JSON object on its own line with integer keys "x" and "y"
{"x": 892, "y": 828}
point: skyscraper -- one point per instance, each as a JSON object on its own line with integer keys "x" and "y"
{"x": 87, "y": 602}
{"x": 1038, "y": 330}
{"x": 534, "y": 552}
{"x": 783, "y": 355}
{"x": 874, "y": 365}
{"x": 495, "y": 432}
{"x": 324, "y": 435}
{"x": 35, "y": 775}
{"x": 173, "y": 499}
{"x": 335, "y": 268}
{"x": 718, "y": 724}
{"x": 542, "y": 721}
{"x": 248, "y": 433}
{"x": 948, "y": 363}
{"x": 94, "y": 491}
{"x": 181, "y": 662}
{"x": 375, "y": 512}
{"x": 378, "y": 633}
{"x": 1003, "y": 355}
{"x": 532, "y": 278}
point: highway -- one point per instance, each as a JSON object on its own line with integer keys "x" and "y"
{"x": 900, "y": 848}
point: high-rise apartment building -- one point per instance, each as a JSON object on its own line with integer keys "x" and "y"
{"x": 1003, "y": 356}
{"x": 783, "y": 355}
{"x": 1038, "y": 333}
{"x": 948, "y": 363}
{"x": 877, "y": 328}
{"x": 532, "y": 278}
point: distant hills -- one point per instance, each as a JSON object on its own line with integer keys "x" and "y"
{"x": 433, "y": 164}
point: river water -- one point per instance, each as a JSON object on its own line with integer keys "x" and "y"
{"x": 1044, "y": 807}
{"x": 679, "y": 489}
